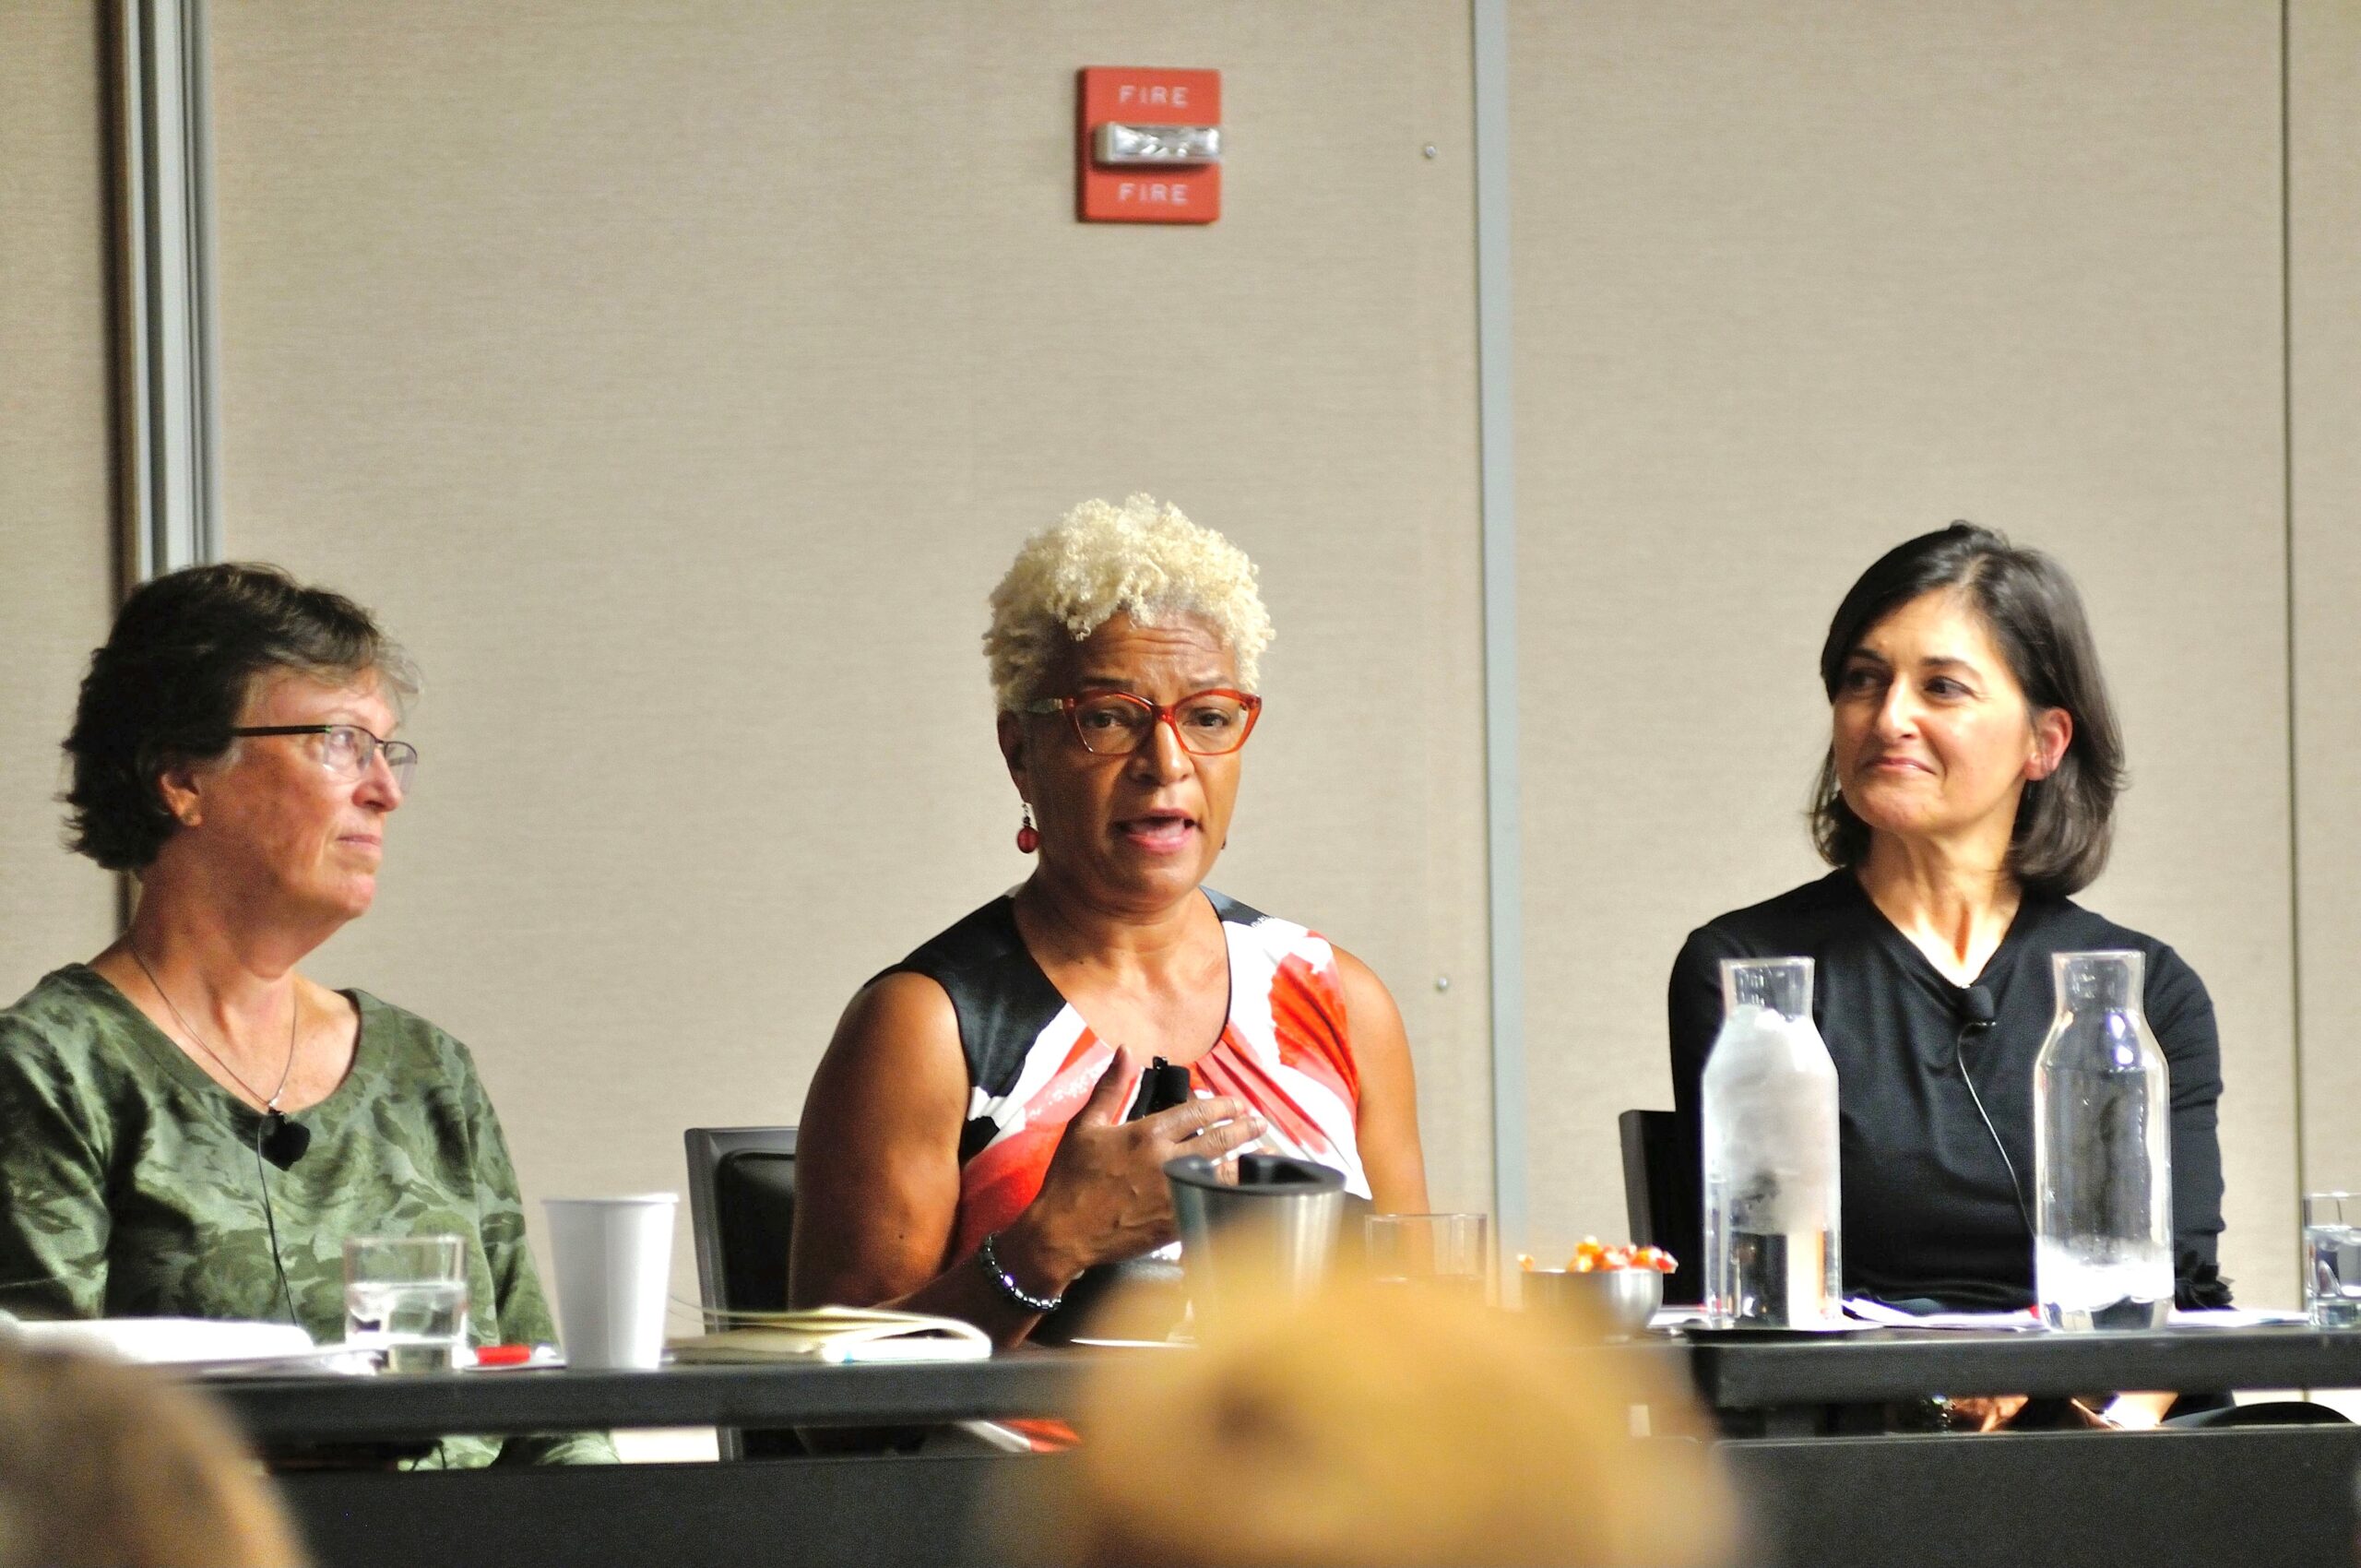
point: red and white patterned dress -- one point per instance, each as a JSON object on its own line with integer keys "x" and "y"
{"x": 1032, "y": 1062}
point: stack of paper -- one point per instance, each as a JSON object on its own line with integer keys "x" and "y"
{"x": 1868, "y": 1311}
{"x": 190, "y": 1344}
{"x": 837, "y": 1335}
{"x": 2236, "y": 1317}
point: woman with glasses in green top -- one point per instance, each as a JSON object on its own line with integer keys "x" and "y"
{"x": 193, "y": 1127}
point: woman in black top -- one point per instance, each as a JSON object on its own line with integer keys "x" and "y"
{"x": 1968, "y": 788}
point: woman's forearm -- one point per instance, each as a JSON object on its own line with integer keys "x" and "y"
{"x": 970, "y": 1292}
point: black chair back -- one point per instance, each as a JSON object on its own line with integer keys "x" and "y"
{"x": 1661, "y": 1197}
{"x": 742, "y": 1209}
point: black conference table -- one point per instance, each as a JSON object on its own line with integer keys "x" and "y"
{"x": 2281, "y": 1495}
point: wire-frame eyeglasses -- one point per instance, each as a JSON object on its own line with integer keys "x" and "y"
{"x": 347, "y": 750}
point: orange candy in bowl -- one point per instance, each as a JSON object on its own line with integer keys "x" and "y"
{"x": 1593, "y": 1255}
{"x": 1615, "y": 1290}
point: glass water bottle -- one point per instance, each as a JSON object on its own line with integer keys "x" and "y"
{"x": 2102, "y": 1153}
{"x": 1772, "y": 1201}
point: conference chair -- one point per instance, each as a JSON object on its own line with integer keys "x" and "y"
{"x": 741, "y": 1211}
{"x": 1661, "y": 1198}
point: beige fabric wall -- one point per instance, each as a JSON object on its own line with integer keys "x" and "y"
{"x": 680, "y": 391}
{"x": 56, "y": 456}
{"x": 2324, "y": 275}
{"x": 677, "y": 391}
{"x": 1792, "y": 286}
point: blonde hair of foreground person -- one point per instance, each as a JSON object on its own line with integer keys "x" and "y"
{"x": 104, "y": 1465}
{"x": 1143, "y": 558}
{"x": 1371, "y": 1426}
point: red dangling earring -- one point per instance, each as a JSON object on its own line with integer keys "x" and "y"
{"x": 1029, "y": 838}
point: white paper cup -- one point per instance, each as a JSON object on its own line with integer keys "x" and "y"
{"x": 615, "y": 1259}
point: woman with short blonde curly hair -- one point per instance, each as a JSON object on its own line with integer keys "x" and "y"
{"x": 1139, "y": 558}
{"x": 981, "y": 1135}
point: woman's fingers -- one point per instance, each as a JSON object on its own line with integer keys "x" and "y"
{"x": 1112, "y": 1096}
{"x": 1986, "y": 1412}
{"x": 1217, "y": 1128}
{"x": 1185, "y": 1122}
{"x": 1222, "y": 1139}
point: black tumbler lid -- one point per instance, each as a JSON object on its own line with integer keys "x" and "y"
{"x": 1268, "y": 1172}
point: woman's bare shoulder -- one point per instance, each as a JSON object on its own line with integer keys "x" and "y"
{"x": 900, "y": 1005}
{"x": 899, "y": 1040}
{"x": 1366, "y": 997}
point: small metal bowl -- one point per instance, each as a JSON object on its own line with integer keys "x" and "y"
{"x": 1612, "y": 1303}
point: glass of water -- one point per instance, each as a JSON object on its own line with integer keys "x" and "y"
{"x": 2332, "y": 1259}
{"x": 406, "y": 1298}
{"x": 1447, "y": 1252}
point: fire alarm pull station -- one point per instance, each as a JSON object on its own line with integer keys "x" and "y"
{"x": 1149, "y": 150}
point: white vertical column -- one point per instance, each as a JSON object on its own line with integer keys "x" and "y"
{"x": 1496, "y": 427}
{"x": 172, "y": 494}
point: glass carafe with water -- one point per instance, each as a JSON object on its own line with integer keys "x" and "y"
{"x": 1772, "y": 1196}
{"x": 2102, "y": 1153}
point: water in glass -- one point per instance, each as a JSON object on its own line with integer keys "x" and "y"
{"x": 406, "y": 1298}
{"x": 417, "y": 1324}
{"x": 1773, "y": 1252}
{"x": 2332, "y": 1259}
{"x": 2103, "y": 1174}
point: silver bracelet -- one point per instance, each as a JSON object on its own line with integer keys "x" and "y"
{"x": 988, "y": 1256}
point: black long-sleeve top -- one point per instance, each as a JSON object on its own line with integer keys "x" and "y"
{"x": 1929, "y": 1211}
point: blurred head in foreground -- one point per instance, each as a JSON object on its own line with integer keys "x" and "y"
{"x": 1371, "y": 1425}
{"x": 104, "y": 1466}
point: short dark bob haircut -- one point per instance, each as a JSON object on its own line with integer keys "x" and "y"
{"x": 185, "y": 653}
{"x": 2066, "y": 822}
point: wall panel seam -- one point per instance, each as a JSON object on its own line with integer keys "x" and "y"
{"x": 1496, "y": 427}
{"x": 2287, "y": 502}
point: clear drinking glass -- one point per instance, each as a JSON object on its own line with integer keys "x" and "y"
{"x": 2332, "y": 1259}
{"x": 406, "y": 1298}
{"x": 1450, "y": 1252}
{"x": 1774, "y": 1247}
{"x": 2102, "y": 1153}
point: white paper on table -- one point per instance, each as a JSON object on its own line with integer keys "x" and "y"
{"x": 1131, "y": 1344}
{"x": 2234, "y": 1317}
{"x": 207, "y": 1345}
{"x": 868, "y": 1350}
{"x": 1885, "y": 1316}
{"x": 167, "y": 1341}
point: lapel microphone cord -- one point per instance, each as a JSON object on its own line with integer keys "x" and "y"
{"x": 275, "y": 1139}
{"x": 270, "y": 1222}
{"x": 1977, "y": 1013}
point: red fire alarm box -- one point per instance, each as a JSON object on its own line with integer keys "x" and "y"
{"x": 1150, "y": 149}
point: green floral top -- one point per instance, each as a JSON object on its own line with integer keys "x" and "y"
{"x": 129, "y": 1185}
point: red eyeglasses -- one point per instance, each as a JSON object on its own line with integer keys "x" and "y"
{"x": 1213, "y": 722}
